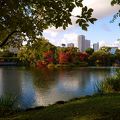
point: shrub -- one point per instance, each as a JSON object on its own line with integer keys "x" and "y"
{"x": 8, "y": 103}
{"x": 9, "y": 59}
{"x": 110, "y": 84}
{"x": 51, "y": 66}
{"x": 40, "y": 64}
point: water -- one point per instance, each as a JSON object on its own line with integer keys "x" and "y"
{"x": 44, "y": 87}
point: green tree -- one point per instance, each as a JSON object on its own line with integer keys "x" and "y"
{"x": 105, "y": 49}
{"x": 113, "y": 2}
{"x": 100, "y": 58}
{"x": 117, "y": 55}
{"x": 89, "y": 51}
{"x": 29, "y": 54}
{"x": 25, "y": 20}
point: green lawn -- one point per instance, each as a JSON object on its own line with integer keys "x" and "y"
{"x": 105, "y": 107}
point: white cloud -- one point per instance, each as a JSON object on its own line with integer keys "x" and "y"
{"x": 69, "y": 38}
{"x": 101, "y": 8}
{"x": 114, "y": 44}
{"x": 54, "y": 34}
{"x": 51, "y": 33}
{"x": 102, "y": 43}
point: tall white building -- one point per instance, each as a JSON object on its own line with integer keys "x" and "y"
{"x": 82, "y": 43}
{"x": 96, "y": 46}
{"x": 87, "y": 44}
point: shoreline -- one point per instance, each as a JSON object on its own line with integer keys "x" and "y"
{"x": 96, "y": 107}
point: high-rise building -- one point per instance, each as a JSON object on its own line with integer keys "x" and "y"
{"x": 96, "y": 46}
{"x": 87, "y": 44}
{"x": 70, "y": 45}
{"x": 82, "y": 43}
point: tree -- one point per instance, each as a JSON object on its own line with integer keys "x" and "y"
{"x": 105, "y": 49}
{"x": 89, "y": 51}
{"x": 117, "y": 55}
{"x": 49, "y": 56}
{"x": 101, "y": 58}
{"x": 25, "y": 20}
{"x": 113, "y": 2}
{"x": 33, "y": 52}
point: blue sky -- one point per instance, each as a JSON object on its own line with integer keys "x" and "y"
{"x": 102, "y": 31}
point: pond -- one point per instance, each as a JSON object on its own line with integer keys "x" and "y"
{"x": 44, "y": 87}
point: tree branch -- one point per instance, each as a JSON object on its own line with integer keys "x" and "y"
{"x": 6, "y": 39}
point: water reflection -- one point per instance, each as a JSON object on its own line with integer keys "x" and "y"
{"x": 11, "y": 81}
{"x": 44, "y": 87}
{"x": 52, "y": 86}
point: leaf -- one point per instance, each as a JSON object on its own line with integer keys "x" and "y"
{"x": 92, "y": 20}
{"x": 78, "y": 20}
{"x": 78, "y": 16}
{"x": 112, "y": 3}
{"x": 79, "y": 3}
{"x": 84, "y": 8}
{"x": 86, "y": 25}
{"x": 84, "y": 28}
{"x": 90, "y": 10}
{"x": 64, "y": 27}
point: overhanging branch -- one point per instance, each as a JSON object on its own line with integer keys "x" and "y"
{"x": 6, "y": 39}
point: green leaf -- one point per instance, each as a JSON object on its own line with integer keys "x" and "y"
{"x": 92, "y": 20}
{"x": 78, "y": 20}
{"x": 84, "y": 28}
{"x": 90, "y": 10}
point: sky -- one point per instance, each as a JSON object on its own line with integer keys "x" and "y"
{"x": 102, "y": 31}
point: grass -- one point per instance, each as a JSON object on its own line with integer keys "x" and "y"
{"x": 8, "y": 104}
{"x": 105, "y": 107}
{"x": 110, "y": 84}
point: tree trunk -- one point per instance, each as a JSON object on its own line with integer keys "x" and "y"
{"x": 6, "y": 39}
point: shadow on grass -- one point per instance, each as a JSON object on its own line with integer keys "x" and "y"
{"x": 105, "y": 107}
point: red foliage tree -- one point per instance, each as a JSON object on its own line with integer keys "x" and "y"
{"x": 63, "y": 57}
{"x": 48, "y": 56}
{"x": 83, "y": 56}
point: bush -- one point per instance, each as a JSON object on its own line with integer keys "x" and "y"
{"x": 110, "y": 84}
{"x": 40, "y": 64}
{"x": 9, "y": 59}
{"x": 7, "y": 54}
{"x": 8, "y": 103}
{"x": 51, "y": 66}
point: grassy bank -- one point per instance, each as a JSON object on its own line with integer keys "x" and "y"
{"x": 105, "y": 107}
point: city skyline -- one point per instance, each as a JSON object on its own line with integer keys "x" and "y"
{"x": 83, "y": 44}
{"x": 102, "y": 31}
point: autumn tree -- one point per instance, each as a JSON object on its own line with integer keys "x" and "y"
{"x": 25, "y": 20}
{"x": 34, "y": 52}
